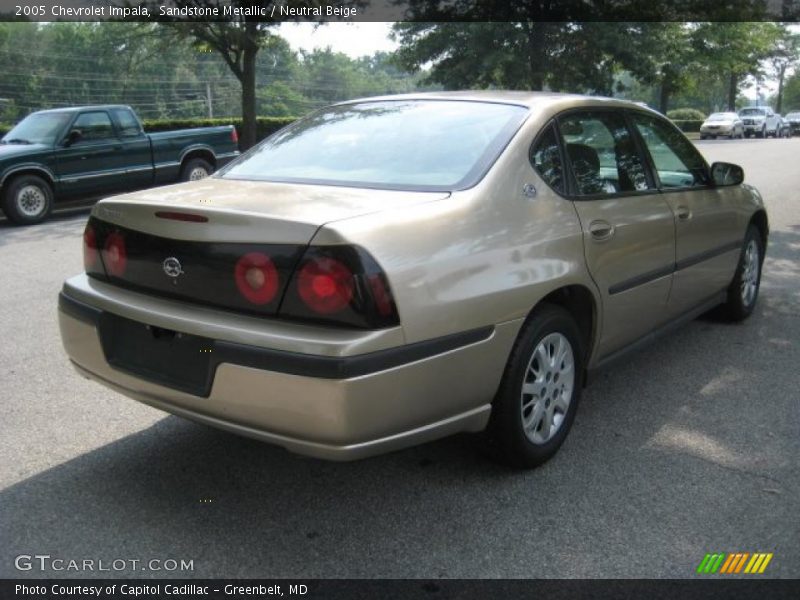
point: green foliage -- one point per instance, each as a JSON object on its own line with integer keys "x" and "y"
{"x": 162, "y": 75}
{"x": 688, "y": 125}
{"x": 265, "y": 126}
{"x": 684, "y": 114}
{"x": 532, "y": 55}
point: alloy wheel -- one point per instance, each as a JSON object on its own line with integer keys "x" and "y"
{"x": 547, "y": 388}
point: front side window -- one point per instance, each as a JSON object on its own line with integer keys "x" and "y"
{"x": 676, "y": 160}
{"x": 94, "y": 126}
{"x": 602, "y": 154}
{"x": 546, "y": 159}
{"x": 400, "y": 144}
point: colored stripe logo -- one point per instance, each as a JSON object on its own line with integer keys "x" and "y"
{"x": 734, "y": 563}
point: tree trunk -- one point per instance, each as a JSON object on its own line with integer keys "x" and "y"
{"x": 779, "y": 102}
{"x": 247, "y": 137}
{"x": 663, "y": 98}
{"x": 536, "y": 55}
{"x": 733, "y": 87}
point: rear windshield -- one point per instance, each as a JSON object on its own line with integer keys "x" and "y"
{"x": 722, "y": 117}
{"x": 417, "y": 144}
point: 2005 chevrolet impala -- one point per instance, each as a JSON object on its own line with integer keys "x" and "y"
{"x": 393, "y": 270}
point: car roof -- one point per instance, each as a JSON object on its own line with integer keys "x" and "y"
{"x": 73, "y": 109}
{"x": 531, "y": 100}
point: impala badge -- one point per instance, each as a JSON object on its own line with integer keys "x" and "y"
{"x": 172, "y": 267}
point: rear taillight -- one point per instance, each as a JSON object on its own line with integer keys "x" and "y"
{"x": 256, "y": 278}
{"x": 115, "y": 257}
{"x": 91, "y": 257}
{"x": 325, "y": 285}
{"x": 234, "y": 136}
{"x": 341, "y": 285}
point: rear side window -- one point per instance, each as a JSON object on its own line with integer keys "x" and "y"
{"x": 676, "y": 160}
{"x": 546, "y": 159}
{"x": 602, "y": 154}
{"x": 127, "y": 123}
{"x": 94, "y": 126}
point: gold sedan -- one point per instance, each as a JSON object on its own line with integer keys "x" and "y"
{"x": 389, "y": 271}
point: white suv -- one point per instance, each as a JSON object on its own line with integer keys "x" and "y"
{"x": 760, "y": 121}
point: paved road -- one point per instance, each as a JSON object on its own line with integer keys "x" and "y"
{"x": 691, "y": 447}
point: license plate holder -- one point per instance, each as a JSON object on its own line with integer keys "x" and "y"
{"x": 174, "y": 359}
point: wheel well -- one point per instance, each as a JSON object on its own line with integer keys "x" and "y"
{"x": 579, "y": 302}
{"x": 206, "y": 155}
{"x": 759, "y": 219}
{"x": 12, "y": 176}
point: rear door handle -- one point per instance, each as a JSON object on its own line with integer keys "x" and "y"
{"x": 683, "y": 212}
{"x": 601, "y": 230}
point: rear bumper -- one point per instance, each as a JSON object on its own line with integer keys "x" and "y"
{"x": 332, "y": 407}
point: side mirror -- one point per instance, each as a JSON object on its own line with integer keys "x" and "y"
{"x": 724, "y": 174}
{"x": 73, "y": 137}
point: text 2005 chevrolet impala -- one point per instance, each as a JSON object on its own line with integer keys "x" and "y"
{"x": 390, "y": 271}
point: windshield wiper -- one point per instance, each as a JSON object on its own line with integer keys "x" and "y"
{"x": 17, "y": 141}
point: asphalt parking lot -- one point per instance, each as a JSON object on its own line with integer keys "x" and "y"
{"x": 693, "y": 446}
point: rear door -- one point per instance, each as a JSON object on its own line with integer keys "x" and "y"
{"x": 628, "y": 228}
{"x": 707, "y": 234}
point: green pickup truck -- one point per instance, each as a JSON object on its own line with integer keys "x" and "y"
{"x": 94, "y": 150}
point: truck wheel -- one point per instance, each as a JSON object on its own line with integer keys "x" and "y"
{"x": 539, "y": 393}
{"x": 196, "y": 169}
{"x": 27, "y": 199}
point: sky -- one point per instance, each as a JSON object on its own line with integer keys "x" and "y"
{"x": 355, "y": 39}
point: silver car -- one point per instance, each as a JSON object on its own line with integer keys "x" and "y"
{"x": 388, "y": 271}
{"x": 722, "y": 124}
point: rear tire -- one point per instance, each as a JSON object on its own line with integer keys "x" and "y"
{"x": 27, "y": 199}
{"x": 538, "y": 396}
{"x": 743, "y": 290}
{"x": 196, "y": 169}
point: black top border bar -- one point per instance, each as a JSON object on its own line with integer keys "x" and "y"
{"x": 264, "y": 11}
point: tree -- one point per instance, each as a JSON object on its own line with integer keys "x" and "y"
{"x": 785, "y": 55}
{"x": 660, "y": 56}
{"x": 734, "y": 51}
{"x": 791, "y": 92}
{"x": 237, "y": 40}
{"x": 584, "y": 57}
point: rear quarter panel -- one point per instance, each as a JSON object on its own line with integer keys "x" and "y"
{"x": 483, "y": 256}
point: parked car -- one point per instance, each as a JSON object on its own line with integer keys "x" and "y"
{"x": 726, "y": 124}
{"x": 784, "y": 128}
{"x": 760, "y": 121}
{"x": 95, "y": 150}
{"x": 389, "y": 271}
{"x": 793, "y": 118}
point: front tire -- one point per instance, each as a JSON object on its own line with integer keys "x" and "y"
{"x": 27, "y": 199}
{"x": 196, "y": 169}
{"x": 743, "y": 290}
{"x": 538, "y": 396}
